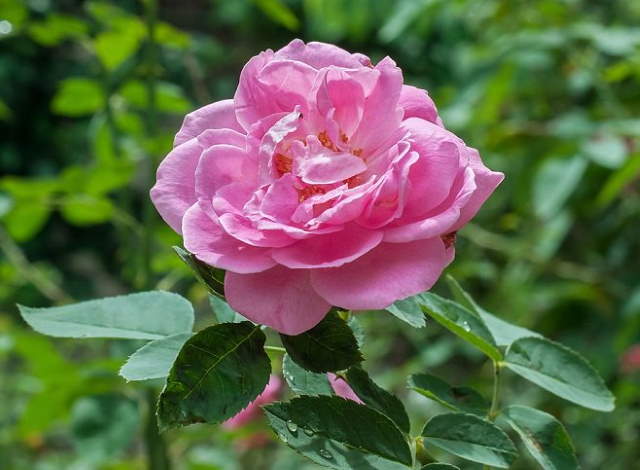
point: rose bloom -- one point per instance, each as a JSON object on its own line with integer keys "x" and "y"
{"x": 324, "y": 181}
{"x": 252, "y": 412}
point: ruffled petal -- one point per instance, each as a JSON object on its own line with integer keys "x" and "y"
{"x": 329, "y": 250}
{"x": 281, "y": 298}
{"x": 204, "y": 237}
{"x": 416, "y": 102}
{"x": 174, "y": 191}
{"x": 386, "y": 274}
{"x": 319, "y": 55}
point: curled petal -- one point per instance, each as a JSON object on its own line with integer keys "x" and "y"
{"x": 416, "y": 102}
{"x": 218, "y": 115}
{"x": 319, "y": 55}
{"x": 281, "y": 298}
{"x": 204, "y": 237}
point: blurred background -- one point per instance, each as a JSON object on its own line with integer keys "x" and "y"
{"x": 92, "y": 92}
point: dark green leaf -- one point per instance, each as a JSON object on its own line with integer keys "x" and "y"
{"x": 559, "y": 370}
{"x": 154, "y": 359}
{"x": 211, "y": 277}
{"x": 327, "y": 347}
{"x": 218, "y": 372}
{"x": 470, "y": 438}
{"x": 408, "y": 310}
{"x": 340, "y": 434}
{"x": 503, "y": 332}
{"x": 544, "y": 436}
{"x": 455, "y": 398}
{"x": 304, "y": 382}
{"x": 378, "y": 398}
{"x": 462, "y": 322}
{"x": 224, "y": 313}
{"x": 144, "y": 315}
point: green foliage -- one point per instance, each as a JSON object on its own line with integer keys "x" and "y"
{"x": 559, "y": 370}
{"x": 545, "y": 437}
{"x": 211, "y": 277}
{"x": 103, "y": 426}
{"x": 327, "y": 347}
{"x": 224, "y": 313}
{"x": 144, "y": 315}
{"x": 78, "y": 97}
{"x": 217, "y": 373}
{"x": 408, "y": 310}
{"x": 455, "y": 398}
{"x": 304, "y": 382}
{"x": 377, "y": 398}
{"x": 460, "y": 321}
{"x": 470, "y": 438}
{"x": 439, "y": 466}
{"x": 154, "y": 359}
{"x": 339, "y": 433}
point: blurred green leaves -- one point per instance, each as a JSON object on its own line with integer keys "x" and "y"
{"x": 78, "y": 97}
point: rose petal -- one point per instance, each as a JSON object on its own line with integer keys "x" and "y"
{"x": 281, "y": 298}
{"x": 204, "y": 237}
{"x": 416, "y": 102}
{"x": 388, "y": 273}
{"x": 329, "y": 250}
{"x": 330, "y": 167}
{"x": 320, "y": 55}
{"x": 218, "y": 115}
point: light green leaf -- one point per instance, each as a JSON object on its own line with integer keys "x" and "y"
{"x": 218, "y": 372}
{"x": 84, "y": 209}
{"x": 470, "y": 438}
{"x": 462, "y": 322}
{"x": 503, "y": 332}
{"x": 154, "y": 359}
{"x": 224, "y": 313}
{"x": 144, "y": 315}
{"x": 304, "y": 382}
{"x": 378, "y": 398}
{"x": 340, "y": 434}
{"x": 169, "y": 97}
{"x": 455, "y": 398}
{"x": 78, "y": 96}
{"x": 559, "y": 370}
{"x": 170, "y": 36}
{"x": 408, "y": 310}
{"x": 544, "y": 436}
{"x": 55, "y": 28}
{"x": 439, "y": 466}
{"x": 327, "y": 347}
{"x": 116, "y": 46}
{"x": 616, "y": 183}
{"x": 26, "y": 218}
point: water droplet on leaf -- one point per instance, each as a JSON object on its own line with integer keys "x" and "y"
{"x": 325, "y": 453}
{"x": 308, "y": 431}
{"x": 291, "y": 426}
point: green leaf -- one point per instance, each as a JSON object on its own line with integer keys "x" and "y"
{"x": 460, "y": 321}
{"x": 224, "y": 313}
{"x": 114, "y": 47}
{"x": 378, "y": 398}
{"x": 55, "y": 28}
{"x": 455, "y": 398}
{"x": 103, "y": 426}
{"x": 154, "y": 359}
{"x": 327, "y": 347}
{"x": 78, "y": 97}
{"x": 559, "y": 370}
{"x": 616, "y": 183}
{"x": 84, "y": 209}
{"x": 544, "y": 436}
{"x": 554, "y": 182}
{"x": 218, "y": 372}
{"x": 339, "y": 433}
{"x": 408, "y": 310}
{"x": 170, "y": 36}
{"x": 470, "y": 438}
{"x": 439, "y": 466}
{"x": 279, "y": 12}
{"x": 211, "y": 277}
{"x": 304, "y": 382}
{"x": 169, "y": 97}
{"x": 144, "y": 315}
{"x": 503, "y": 332}
{"x": 26, "y": 218}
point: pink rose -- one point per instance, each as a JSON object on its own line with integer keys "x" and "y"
{"x": 630, "y": 360}
{"x": 324, "y": 181}
{"x": 253, "y": 411}
{"x": 342, "y": 388}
